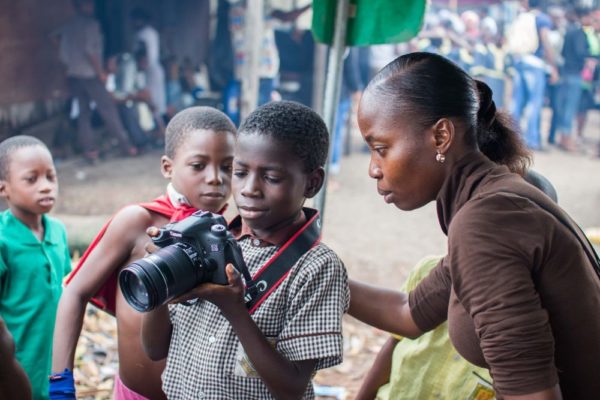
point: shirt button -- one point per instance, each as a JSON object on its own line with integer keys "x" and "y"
{"x": 256, "y": 242}
{"x": 212, "y": 339}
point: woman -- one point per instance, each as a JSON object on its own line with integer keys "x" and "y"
{"x": 518, "y": 288}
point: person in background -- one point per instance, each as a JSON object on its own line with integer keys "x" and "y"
{"x": 575, "y": 51}
{"x": 529, "y": 78}
{"x": 80, "y": 50}
{"x": 488, "y": 64}
{"x": 147, "y": 41}
{"x": 120, "y": 83}
{"x": 591, "y": 71}
{"x": 269, "y": 55}
{"x": 556, "y": 37}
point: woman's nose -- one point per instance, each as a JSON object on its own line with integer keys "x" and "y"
{"x": 374, "y": 170}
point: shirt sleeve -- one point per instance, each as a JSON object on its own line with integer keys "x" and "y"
{"x": 429, "y": 301}
{"x": 318, "y": 298}
{"x": 3, "y": 273}
{"x": 67, "y": 267}
{"x": 494, "y": 244}
{"x": 416, "y": 275}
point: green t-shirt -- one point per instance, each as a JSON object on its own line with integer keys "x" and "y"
{"x": 429, "y": 367}
{"x": 31, "y": 274}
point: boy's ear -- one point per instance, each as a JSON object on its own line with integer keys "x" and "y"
{"x": 314, "y": 182}
{"x": 3, "y": 191}
{"x": 166, "y": 167}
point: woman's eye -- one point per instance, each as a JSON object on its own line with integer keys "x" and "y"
{"x": 380, "y": 150}
{"x": 239, "y": 173}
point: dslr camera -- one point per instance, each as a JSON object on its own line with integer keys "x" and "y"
{"x": 192, "y": 251}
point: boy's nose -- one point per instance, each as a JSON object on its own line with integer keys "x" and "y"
{"x": 214, "y": 175}
{"x": 47, "y": 186}
{"x": 250, "y": 188}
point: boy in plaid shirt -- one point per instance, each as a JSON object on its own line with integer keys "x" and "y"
{"x": 216, "y": 348}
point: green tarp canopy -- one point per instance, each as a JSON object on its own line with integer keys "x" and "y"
{"x": 370, "y": 21}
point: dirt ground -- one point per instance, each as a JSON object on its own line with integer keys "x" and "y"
{"x": 377, "y": 242}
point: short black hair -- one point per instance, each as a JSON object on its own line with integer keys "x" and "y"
{"x": 295, "y": 125}
{"x": 192, "y": 119}
{"x": 10, "y": 145}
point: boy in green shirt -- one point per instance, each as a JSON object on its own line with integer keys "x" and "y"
{"x": 34, "y": 256}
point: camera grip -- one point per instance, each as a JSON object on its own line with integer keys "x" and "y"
{"x": 233, "y": 255}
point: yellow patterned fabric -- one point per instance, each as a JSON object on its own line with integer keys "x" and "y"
{"x": 429, "y": 367}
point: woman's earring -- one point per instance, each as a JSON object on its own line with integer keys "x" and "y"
{"x": 439, "y": 157}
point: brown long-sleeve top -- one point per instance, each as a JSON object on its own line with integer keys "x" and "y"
{"x": 519, "y": 292}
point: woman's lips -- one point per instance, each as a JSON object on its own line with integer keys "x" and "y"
{"x": 387, "y": 195}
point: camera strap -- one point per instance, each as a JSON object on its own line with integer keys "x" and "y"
{"x": 268, "y": 278}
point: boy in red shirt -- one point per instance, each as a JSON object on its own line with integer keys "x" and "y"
{"x": 198, "y": 155}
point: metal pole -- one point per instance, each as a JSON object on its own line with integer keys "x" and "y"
{"x": 254, "y": 36}
{"x": 319, "y": 66}
{"x": 333, "y": 87}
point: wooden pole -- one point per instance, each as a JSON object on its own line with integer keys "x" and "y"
{"x": 254, "y": 24}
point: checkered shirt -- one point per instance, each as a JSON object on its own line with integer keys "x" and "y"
{"x": 302, "y": 318}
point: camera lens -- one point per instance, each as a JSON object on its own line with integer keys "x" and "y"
{"x": 160, "y": 277}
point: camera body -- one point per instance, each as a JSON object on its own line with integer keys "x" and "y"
{"x": 192, "y": 251}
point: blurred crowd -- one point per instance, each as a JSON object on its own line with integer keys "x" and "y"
{"x": 531, "y": 57}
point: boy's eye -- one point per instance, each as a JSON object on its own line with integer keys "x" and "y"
{"x": 240, "y": 173}
{"x": 273, "y": 179}
{"x": 227, "y": 168}
{"x": 198, "y": 166}
{"x": 31, "y": 179}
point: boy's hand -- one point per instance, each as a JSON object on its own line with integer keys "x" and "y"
{"x": 152, "y": 232}
{"x": 228, "y": 298}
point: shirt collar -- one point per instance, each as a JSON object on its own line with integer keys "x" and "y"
{"x": 467, "y": 176}
{"x": 277, "y": 238}
{"x": 24, "y": 235}
{"x": 176, "y": 198}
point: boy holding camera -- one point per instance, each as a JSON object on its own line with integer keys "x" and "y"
{"x": 34, "y": 256}
{"x": 198, "y": 155}
{"x": 225, "y": 347}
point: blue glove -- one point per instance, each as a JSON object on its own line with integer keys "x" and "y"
{"x": 62, "y": 386}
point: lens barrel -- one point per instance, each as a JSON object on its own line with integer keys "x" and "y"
{"x": 157, "y": 279}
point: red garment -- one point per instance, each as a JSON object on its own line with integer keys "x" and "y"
{"x": 106, "y": 296}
